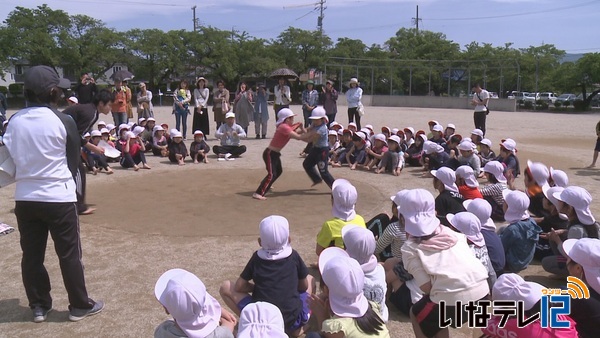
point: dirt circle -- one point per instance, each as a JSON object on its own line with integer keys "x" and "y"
{"x": 215, "y": 203}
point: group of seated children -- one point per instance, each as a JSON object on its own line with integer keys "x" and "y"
{"x": 128, "y": 144}
{"x": 439, "y": 266}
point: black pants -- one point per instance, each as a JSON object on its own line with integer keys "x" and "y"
{"x": 274, "y": 170}
{"x": 200, "y": 121}
{"x": 98, "y": 161}
{"x": 235, "y": 151}
{"x": 128, "y": 161}
{"x": 80, "y": 182}
{"x": 318, "y": 157}
{"x": 331, "y": 118}
{"x": 35, "y": 220}
{"x": 353, "y": 114}
{"x": 479, "y": 120}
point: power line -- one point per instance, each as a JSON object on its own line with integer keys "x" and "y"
{"x": 517, "y": 14}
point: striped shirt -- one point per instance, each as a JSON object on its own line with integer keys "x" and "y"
{"x": 394, "y": 235}
{"x": 494, "y": 191}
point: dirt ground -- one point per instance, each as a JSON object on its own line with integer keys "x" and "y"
{"x": 201, "y": 217}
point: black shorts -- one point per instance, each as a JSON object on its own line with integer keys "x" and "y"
{"x": 402, "y": 299}
{"x": 597, "y": 144}
{"x": 427, "y": 314}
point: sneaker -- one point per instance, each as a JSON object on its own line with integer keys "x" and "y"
{"x": 40, "y": 314}
{"x": 76, "y": 315}
{"x": 228, "y": 156}
{"x": 221, "y": 159}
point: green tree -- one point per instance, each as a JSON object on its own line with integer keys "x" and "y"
{"x": 588, "y": 72}
{"x": 301, "y": 49}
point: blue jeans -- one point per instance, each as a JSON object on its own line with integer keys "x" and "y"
{"x": 181, "y": 121}
{"x": 119, "y": 118}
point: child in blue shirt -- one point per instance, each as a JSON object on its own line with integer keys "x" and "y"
{"x": 520, "y": 237}
{"x": 318, "y": 157}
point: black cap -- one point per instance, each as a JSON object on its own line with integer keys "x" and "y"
{"x": 40, "y": 79}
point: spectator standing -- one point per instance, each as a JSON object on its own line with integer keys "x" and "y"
{"x": 283, "y": 96}
{"x": 39, "y": 137}
{"x": 261, "y": 111}
{"x": 481, "y": 98}
{"x": 329, "y": 97}
{"x": 354, "y": 97}
{"x": 310, "y": 98}
{"x": 119, "y": 106}
{"x": 86, "y": 90}
{"x": 596, "y": 149}
{"x": 201, "y": 95}
{"x": 220, "y": 103}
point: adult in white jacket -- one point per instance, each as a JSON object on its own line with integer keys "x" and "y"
{"x": 354, "y": 97}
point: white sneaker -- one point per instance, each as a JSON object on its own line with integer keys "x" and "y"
{"x": 231, "y": 159}
{"x": 227, "y": 156}
{"x": 221, "y": 159}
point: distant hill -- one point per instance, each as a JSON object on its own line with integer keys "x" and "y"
{"x": 571, "y": 57}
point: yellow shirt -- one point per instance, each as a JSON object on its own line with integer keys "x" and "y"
{"x": 331, "y": 231}
{"x": 348, "y": 326}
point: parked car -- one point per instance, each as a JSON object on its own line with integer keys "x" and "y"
{"x": 518, "y": 95}
{"x": 493, "y": 95}
{"x": 531, "y": 97}
{"x": 548, "y": 97}
{"x": 566, "y": 98}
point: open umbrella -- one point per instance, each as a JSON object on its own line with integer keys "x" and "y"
{"x": 283, "y": 73}
{"x": 123, "y": 75}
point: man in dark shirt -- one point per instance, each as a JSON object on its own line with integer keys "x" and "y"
{"x": 85, "y": 116}
{"x": 86, "y": 89}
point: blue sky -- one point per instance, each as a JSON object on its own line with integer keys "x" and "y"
{"x": 570, "y": 25}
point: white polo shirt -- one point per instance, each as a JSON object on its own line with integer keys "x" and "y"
{"x": 36, "y": 138}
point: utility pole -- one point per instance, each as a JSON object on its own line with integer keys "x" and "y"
{"x": 195, "y": 20}
{"x": 417, "y": 19}
{"x": 322, "y": 8}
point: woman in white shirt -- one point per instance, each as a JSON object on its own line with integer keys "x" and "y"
{"x": 354, "y": 97}
{"x": 283, "y": 96}
{"x": 201, "y": 94}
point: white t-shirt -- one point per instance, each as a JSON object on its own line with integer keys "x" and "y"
{"x": 375, "y": 289}
{"x": 36, "y": 139}
{"x": 481, "y": 97}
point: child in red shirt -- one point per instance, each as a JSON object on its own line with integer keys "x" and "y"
{"x": 467, "y": 183}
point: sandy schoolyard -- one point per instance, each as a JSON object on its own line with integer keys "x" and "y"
{"x": 201, "y": 217}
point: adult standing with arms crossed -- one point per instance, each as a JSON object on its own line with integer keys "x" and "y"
{"x": 329, "y": 97}
{"x": 283, "y": 96}
{"x": 480, "y": 100}
{"x": 38, "y": 138}
{"x": 201, "y": 95}
{"x": 354, "y": 97}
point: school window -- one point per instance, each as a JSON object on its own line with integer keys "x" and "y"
{"x": 116, "y": 69}
{"x": 19, "y": 70}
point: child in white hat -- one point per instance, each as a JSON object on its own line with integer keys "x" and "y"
{"x": 485, "y": 153}
{"x": 512, "y": 287}
{"x": 343, "y": 302}
{"x": 483, "y": 210}
{"x": 159, "y": 142}
{"x": 276, "y": 274}
{"x": 467, "y": 183}
{"x": 195, "y": 312}
{"x": 261, "y": 319}
{"x": 376, "y": 151}
{"x": 392, "y": 160}
{"x": 521, "y": 235}
{"x": 470, "y": 226}
{"x": 536, "y": 176}
{"x": 316, "y": 162}
{"x": 558, "y": 178}
{"x": 434, "y": 156}
{"x": 343, "y": 200}
{"x": 414, "y": 152}
{"x": 177, "y": 149}
{"x": 356, "y": 153}
{"x": 449, "y": 199}
{"x": 468, "y": 156}
{"x": 132, "y": 152}
{"x": 441, "y": 263}
{"x": 553, "y": 220}
{"x": 492, "y": 192}
{"x": 575, "y": 205}
{"x": 508, "y": 157}
{"x": 360, "y": 245}
{"x": 583, "y": 262}
{"x": 199, "y": 149}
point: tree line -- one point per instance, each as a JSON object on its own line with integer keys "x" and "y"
{"x": 411, "y": 62}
